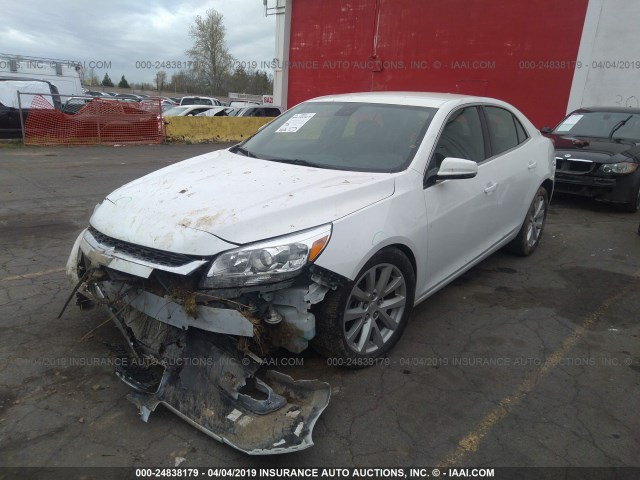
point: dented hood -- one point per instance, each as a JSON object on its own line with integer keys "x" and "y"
{"x": 184, "y": 207}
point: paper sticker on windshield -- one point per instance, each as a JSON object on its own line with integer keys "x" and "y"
{"x": 569, "y": 123}
{"x": 295, "y": 123}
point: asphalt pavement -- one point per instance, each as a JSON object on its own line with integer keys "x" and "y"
{"x": 520, "y": 362}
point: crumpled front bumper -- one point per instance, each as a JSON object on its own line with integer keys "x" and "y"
{"x": 193, "y": 360}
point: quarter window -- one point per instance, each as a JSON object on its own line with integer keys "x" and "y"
{"x": 522, "y": 135}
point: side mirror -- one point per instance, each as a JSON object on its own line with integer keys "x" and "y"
{"x": 546, "y": 130}
{"x": 457, "y": 168}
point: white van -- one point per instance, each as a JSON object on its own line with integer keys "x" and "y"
{"x": 64, "y": 74}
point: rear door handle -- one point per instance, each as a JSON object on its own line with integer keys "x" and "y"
{"x": 490, "y": 187}
{"x": 532, "y": 165}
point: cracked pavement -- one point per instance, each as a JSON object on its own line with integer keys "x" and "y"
{"x": 520, "y": 362}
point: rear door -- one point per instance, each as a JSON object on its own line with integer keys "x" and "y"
{"x": 514, "y": 169}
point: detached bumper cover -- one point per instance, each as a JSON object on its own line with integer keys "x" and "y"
{"x": 208, "y": 391}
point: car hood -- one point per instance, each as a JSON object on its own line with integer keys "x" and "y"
{"x": 595, "y": 149}
{"x": 184, "y": 207}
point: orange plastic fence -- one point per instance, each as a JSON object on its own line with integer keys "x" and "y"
{"x": 99, "y": 121}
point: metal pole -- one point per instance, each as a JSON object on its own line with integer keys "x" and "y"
{"x": 21, "y": 118}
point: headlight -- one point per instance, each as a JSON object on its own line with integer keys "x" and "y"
{"x": 621, "y": 168}
{"x": 267, "y": 262}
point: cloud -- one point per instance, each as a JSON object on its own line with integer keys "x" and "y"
{"x": 124, "y": 33}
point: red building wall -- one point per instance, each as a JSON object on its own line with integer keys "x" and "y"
{"x": 522, "y": 52}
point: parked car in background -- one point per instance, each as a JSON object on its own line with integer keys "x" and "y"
{"x": 218, "y": 112}
{"x": 326, "y": 226}
{"x": 73, "y": 104}
{"x": 187, "y": 110}
{"x": 128, "y": 97}
{"x": 10, "y": 126}
{"x": 96, "y": 93}
{"x": 598, "y": 153}
{"x": 110, "y": 119}
{"x": 258, "y": 111}
{"x": 167, "y": 105}
{"x": 243, "y": 103}
{"x": 191, "y": 100}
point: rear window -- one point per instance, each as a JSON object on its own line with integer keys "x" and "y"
{"x": 196, "y": 101}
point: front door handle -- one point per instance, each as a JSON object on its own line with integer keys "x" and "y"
{"x": 490, "y": 187}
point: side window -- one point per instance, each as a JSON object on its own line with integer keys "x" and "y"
{"x": 461, "y": 138}
{"x": 502, "y": 129}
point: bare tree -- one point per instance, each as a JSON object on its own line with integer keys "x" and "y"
{"x": 212, "y": 60}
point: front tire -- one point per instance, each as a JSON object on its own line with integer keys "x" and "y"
{"x": 530, "y": 233}
{"x": 363, "y": 319}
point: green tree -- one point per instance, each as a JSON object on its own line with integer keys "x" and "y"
{"x": 123, "y": 83}
{"x": 209, "y": 53}
{"x": 239, "y": 81}
{"x": 106, "y": 81}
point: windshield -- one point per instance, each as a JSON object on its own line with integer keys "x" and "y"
{"x": 344, "y": 136}
{"x": 601, "y": 124}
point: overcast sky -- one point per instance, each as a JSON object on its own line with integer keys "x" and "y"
{"x": 127, "y": 32}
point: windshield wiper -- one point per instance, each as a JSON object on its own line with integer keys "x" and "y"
{"x": 295, "y": 161}
{"x": 618, "y": 125}
{"x": 242, "y": 151}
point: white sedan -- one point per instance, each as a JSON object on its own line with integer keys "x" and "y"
{"x": 187, "y": 110}
{"x": 325, "y": 228}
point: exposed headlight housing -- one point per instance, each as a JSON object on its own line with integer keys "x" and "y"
{"x": 622, "y": 168}
{"x": 270, "y": 261}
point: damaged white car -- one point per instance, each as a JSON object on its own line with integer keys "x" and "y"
{"x": 323, "y": 229}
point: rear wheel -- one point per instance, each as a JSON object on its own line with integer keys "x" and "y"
{"x": 530, "y": 233}
{"x": 363, "y": 319}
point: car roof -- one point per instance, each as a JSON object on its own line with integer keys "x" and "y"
{"x": 424, "y": 99}
{"x": 608, "y": 109}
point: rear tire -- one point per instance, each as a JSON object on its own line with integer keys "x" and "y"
{"x": 363, "y": 319}
{"x": 530, "y": 233}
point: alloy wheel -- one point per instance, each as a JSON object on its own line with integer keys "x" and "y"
{"x": 536, "y": 221}
{"x": 374, "y": 308}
